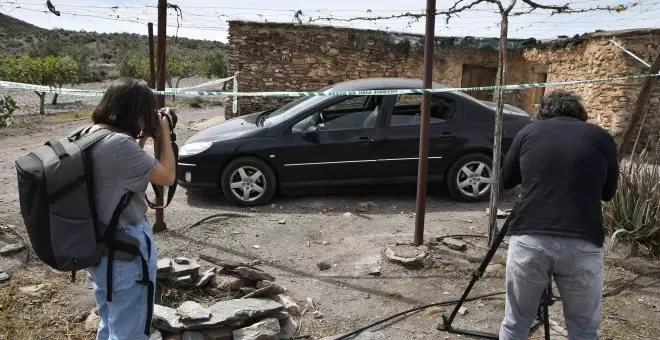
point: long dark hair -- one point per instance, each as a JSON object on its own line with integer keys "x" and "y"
{"x": 562, "y": 103}
{"x": 125, "y": 105}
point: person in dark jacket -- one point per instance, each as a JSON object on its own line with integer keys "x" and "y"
{"x": 566, "y": 167}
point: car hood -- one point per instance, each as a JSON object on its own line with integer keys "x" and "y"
{"x": 236, "y": 128}
{"x": 508, "y": 109}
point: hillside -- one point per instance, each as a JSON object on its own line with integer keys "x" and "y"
{"x": 102, "y": 51}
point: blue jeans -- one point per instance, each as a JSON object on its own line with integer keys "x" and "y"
{"x": 125, "y": 317}
{"x": 577, "y": 267}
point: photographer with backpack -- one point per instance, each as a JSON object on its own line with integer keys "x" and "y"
{"x": 121, "y": 166}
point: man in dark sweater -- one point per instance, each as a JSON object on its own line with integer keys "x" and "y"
{"x": 566, "y": 167}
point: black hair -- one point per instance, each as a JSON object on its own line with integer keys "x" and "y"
{"x": 562, "y": 104}
{"x": 126, "y": 105}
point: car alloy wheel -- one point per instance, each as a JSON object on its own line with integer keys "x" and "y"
{"x": 474, "y": 179}
{"x": 247, "y": 183}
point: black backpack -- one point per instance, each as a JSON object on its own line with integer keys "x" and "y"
{"x": 55, "y": 185}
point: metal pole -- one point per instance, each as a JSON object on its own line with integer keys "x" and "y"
{"x": 152, "y": 67}
{"x": 159, "y": 225}
{"x": 422, "y": 169}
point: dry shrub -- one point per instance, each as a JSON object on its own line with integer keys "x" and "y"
{"x": 47, "y": 316}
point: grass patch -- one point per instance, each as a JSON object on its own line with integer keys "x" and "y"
{"x": 68, "y": 117}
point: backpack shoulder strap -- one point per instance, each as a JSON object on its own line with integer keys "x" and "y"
{"x": 85, "y": 141}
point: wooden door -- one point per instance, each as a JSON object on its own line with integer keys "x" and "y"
{"x": 474, "y": 76}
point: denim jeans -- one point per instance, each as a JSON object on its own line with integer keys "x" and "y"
{"x": 125, "y": 317}
{"x": 577, "y": 267}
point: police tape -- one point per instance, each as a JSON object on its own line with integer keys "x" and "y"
{"x": 207, "y": 84}
{"x": 96, "y": 93}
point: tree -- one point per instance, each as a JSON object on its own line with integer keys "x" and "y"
{"x": 135, "y": 66}
{"x": 64, "y": 71}
{"x": 214, "y": 64}
{"x": 505, "y": 12}
{"x": 46, "y": 71}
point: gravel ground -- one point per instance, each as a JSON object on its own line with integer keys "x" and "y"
{"x": 293, "y": 235}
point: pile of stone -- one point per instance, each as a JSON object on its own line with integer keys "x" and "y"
{"x": 256, "y": 308}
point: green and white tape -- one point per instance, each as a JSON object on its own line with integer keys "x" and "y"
{"x": 234, "y": 105}
{"x": 178, "y": 92}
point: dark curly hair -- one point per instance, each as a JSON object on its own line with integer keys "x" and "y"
{"x": 562, "y": 104}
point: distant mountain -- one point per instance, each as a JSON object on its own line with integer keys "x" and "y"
{"x": 102, "y": 50}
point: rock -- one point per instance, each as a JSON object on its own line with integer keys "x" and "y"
{"x": 500, "y": 213}
{"x": 495, "y": 269}
{"x": 192, "y": 335}
{"x": 256, "y": 246}
{"x": 253, "y": 274}
{"x": 12, "y": 249}
{"x": 264, "y": 283}
{"x": 288, "y": 326}
{"x": 217, "y": 334}
{"x": 310, "y": 303}
{"x": 267, "y": 291}
{"x": 92, "y": 321}
{"x": 318, "y": 315}
{"x": 290, "y": 306}
{"x": 323, "y": 265}
{"x": 192, "y": 311}
{"x": 363, "y": 207}
{"x": 407, "y": 255}
{"x": 348, "y": 214}
{"x": 226, "y": 264}
{"x": 181, "y": 260}
{"x": 268, "y": 329}
{"x": 375, "y": 271}
{"x": 206, "y": 278}
{"x": 454, "y": 244}
{"x": 4, "y": 276}
{"x": 282, "y": 221}
{"x": 34, "y": 291}
{"x": 223, "y": 313}
{"x": 186, "y": 280}
{"x": 182, "y": 269}
{"x": 164, "y": 268}
{"x": 155, "y": 335}
{"x": 248, "y": 290}
{"x": 462, "y": 311}
{"x": 228, "y": 283}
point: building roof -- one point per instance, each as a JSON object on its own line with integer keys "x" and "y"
{"x": 408, "y": 40}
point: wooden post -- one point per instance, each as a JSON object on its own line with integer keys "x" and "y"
{"x": 640, "y": 106}
{"x": 422, "y": 169}
{"x": 152, "y": 67}
{"x": 160, "y": 225}
{"x": 497, "y": 142}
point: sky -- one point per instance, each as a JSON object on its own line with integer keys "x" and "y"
{"x": 207, "y": 19}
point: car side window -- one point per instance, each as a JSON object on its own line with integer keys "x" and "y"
{"x": 408, "y": 109}
{"x": 357, "y": 112}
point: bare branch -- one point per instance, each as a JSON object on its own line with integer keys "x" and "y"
{"x": 536, "y": 5}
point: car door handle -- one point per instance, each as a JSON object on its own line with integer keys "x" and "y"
{"x": 365, "y": 140}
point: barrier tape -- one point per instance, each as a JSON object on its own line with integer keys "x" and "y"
{"x": 207, "y": 84}
{"x": 234, "y": 104}
{"x": 79, "y": 92}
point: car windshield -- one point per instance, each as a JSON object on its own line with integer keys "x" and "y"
{"x": 291, "y": 109}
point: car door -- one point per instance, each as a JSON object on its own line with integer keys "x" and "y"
{"x": 398, "y": 147}
{"x": 332, "y": 143}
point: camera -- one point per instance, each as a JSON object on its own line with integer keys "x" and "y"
{"x": 172, "y": 118}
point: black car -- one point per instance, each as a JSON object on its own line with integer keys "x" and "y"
{"x": 322, "y": 141}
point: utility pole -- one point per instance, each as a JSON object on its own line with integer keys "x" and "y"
{"x": 422, "y": 169}
{"x": 152, "y": 67}
{"x": 162, "y": 35}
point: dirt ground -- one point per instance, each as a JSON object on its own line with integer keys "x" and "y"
{"x": 289, "y": 238}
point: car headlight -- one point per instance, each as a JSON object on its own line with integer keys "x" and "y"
{"x": 194, "y": 148}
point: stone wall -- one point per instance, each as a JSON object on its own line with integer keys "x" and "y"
{"x": 288, "y": 57}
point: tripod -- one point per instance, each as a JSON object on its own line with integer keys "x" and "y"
{"x": 542, "y": 315}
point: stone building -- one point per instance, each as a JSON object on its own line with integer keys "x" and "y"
{"x": 289, "y": 57}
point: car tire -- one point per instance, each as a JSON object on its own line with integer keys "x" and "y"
{"x": 465, "y": 178}
{"x": 248, "y": 174}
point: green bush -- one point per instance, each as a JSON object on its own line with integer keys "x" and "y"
{"x": 634, "y": 212}
{"x": 195, "y": 102}
{"x": 7, "y": 107}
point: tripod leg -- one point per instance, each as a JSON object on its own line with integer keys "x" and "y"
{"x": 446, "y": 322}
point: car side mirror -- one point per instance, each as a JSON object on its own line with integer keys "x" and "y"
{"x": 312, "y": 134}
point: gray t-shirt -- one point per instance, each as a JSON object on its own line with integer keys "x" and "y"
{"x": 120, "y": 166}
